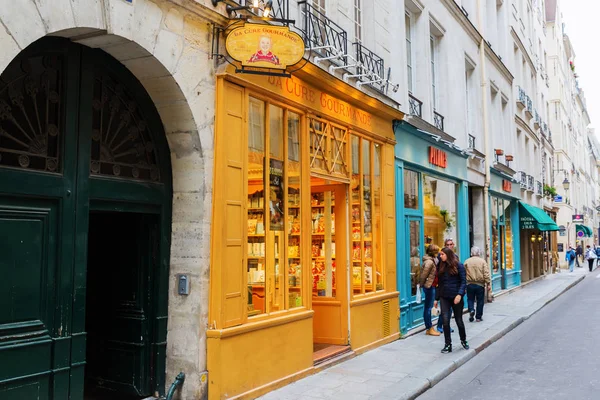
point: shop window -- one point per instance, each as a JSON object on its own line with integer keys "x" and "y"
{"x": 495, "y": 237}
{"x": 510, "y": 264}
{"x": 328, "y": 148}
{"x": 439, "y": 211}
{"x": 367, "y": 269}
{"x": 414, "y": 236}
{"x": 411, "y": 189}
{"x": 274, "y": 277}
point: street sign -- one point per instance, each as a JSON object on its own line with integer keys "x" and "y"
{"x": 577, "y": 218}
{"x": 558, "y": 199}
{"x": 580, "y": 234}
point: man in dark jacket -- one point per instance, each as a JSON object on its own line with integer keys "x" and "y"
{"x": 578, "y": 253}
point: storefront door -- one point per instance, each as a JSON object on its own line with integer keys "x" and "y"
{"x": 328, "y": 266}
{"x": 414, "y": 245}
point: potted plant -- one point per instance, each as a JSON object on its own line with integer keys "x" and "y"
{"x": 549, "y": 191}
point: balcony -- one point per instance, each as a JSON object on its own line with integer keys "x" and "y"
{"x": 537, "y": 122}
{"x": 539, "y": 191}
{"x": 521, "y": 98}
{"x": 530, "y": 183}
{"x": 529, "y": 108}
{"x": 370, "y": 69}
{"x": 322, "y": 35}
{"x": 438, "y": 120}
{"x": 416, "y": 106}
{"x": 522, "y": 177}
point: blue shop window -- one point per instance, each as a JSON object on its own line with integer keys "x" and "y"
{"x": 411, "y": 189}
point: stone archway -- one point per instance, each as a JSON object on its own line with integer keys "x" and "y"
{"x": 166, "y": 47}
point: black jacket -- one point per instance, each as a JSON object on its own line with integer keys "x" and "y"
{"x": 451, "y": 285}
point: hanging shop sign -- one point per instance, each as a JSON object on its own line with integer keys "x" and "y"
{"x": 438, "y": 157}
{"x": 265, "y": 46}
{"x": 507, "y": 186}
{"x": 577, "y": 218}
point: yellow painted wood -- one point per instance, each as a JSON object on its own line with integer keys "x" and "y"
{"x": 366, "y": 320}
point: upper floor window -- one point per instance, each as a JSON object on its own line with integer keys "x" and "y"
{"x": 358, "y": 20}
{"x": 433, "y": 44}
{"x": 319, "y": 5}
{"x": 409, "y": 50}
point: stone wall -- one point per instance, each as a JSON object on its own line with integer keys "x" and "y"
{"x": 166, "y": 46}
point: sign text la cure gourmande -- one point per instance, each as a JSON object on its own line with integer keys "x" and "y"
{"x": 265, "y": 46}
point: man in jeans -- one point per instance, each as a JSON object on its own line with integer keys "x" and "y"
{"x": 449, "y": 243}
{"x": 478, "y": 277}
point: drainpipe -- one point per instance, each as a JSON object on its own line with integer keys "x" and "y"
{"x": 177, "y": 382}
{"x": 486, "y": 134}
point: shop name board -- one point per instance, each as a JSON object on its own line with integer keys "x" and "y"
{"x": 528, "y": 222}
{"x": 577, "y": 218}
{"x": 507, "y": 186}
{"x": 438, "y": 157}
{"x": 303, "y": 93}
{"x": 265, "y": 46}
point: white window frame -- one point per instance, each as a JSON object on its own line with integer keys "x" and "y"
{"x": 358, "y": 21}
{"x": 408, "y": 20}
{"x": 433, "y": 41}
{"x": 320, "y": 5}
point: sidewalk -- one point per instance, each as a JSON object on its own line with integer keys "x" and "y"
{"x": 408, "y": 367}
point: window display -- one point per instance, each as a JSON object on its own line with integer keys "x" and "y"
{"x": 502, "y": 235}
{"x": 274, "y": 277}
{"x": 367, "y": 269}
{"x": 411, "y": 189}
{"x": 439, "y": 211}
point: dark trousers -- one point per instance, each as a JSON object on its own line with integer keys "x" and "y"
{"x": 447, "y": 307}
{"x": 577, "y": 261}
{"x": 475, "y": 292}
{"x": 591, "y": 263}
{"x": 429, "y": 298}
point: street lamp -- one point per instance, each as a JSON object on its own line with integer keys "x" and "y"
{"x": 566, "y": 183}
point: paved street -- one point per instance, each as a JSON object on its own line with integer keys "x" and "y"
{"x": 406, "y": 368}
{"x": 554, "y": 355}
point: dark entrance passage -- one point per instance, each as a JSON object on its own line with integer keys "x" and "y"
{"x": 85, "y": 219}
{"x": 121, "y": 258}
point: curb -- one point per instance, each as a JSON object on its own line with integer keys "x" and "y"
{"x": 438, "y": 377}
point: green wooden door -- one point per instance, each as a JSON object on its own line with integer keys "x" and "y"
{"x": 79, "y": 133}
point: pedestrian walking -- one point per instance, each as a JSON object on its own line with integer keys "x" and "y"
{"x": 578, "y": 253}
{"x": 428, "y": 282}
{"x": 452, "y": 284}
{"x": 570, "y": 257}
{"x": 478, "y": 278}
{"x": 449, "y": 243}
{"x": 590, "y": 256}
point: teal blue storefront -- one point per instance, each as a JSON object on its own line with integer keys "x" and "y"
{"x": 431, "y": 206}
{"x": 504, "y": 261}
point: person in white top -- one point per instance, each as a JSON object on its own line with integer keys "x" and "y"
{"x": 590, "y": 256}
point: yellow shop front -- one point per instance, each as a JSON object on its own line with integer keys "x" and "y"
{"x": 303, "y": 231}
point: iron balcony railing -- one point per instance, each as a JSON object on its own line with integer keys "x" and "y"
{"x": 538, "y": 188}
{"x": 416, "y": 106}
{"x": 471, "y": 141}
{"x": 371, "y": 66}
{"x": 529, "y": 104}
{"x": 522, "y": 97}
{"x": 321, "y": 34}
{"x": 438, "y": 120}
{"x": 280, "y": 10}
{"x": 537, "y": 120}
{"x": 530, "y": 184}
{"x": 523, "y": 179}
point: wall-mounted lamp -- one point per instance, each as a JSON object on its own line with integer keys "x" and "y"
{"x": 532, "y": 238}
{"x": 499, "y": 152}
{"x": 254, "y": 7}
{"x": 540, "y": 237}
{"x": 566, "y": 183}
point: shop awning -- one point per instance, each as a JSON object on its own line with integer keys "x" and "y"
{"x": 587, "y": 231}
{"x": 535, "y": 218}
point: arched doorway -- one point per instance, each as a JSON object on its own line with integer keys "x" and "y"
{"x": 85, "y": 217}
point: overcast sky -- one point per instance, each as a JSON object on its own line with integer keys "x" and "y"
{"x": 581, "y": 21}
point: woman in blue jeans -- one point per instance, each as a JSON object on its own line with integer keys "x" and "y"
{"x": 452, "y": 284}
{"x": 426, "y": 281}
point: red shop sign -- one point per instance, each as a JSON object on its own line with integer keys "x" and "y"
{"x": 438, "y": 157}
{"x": 507, "y": 186}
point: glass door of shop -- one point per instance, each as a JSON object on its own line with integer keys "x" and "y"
{"x": 414, "y": 255}
{"x": 329, "y": 239}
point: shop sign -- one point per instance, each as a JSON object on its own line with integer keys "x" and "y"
{"x": 558, "y": 199}
{"x": 438, "y": 157}
{"x": 577, "y": 218}
{"x": 265, "y": 46}
{"x": 507, "y": 186}
{"x": 528, "y": 222}
{"x": 276, "y": 194}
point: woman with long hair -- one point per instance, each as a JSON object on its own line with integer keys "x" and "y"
{"x": 427, "y": 278}
{"x": 452, "y": 284}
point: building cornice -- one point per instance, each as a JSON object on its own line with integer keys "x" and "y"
{"x": 525, "y": 126}
{"x": 495, "y": 59}
{"x": 522, "y": 47}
